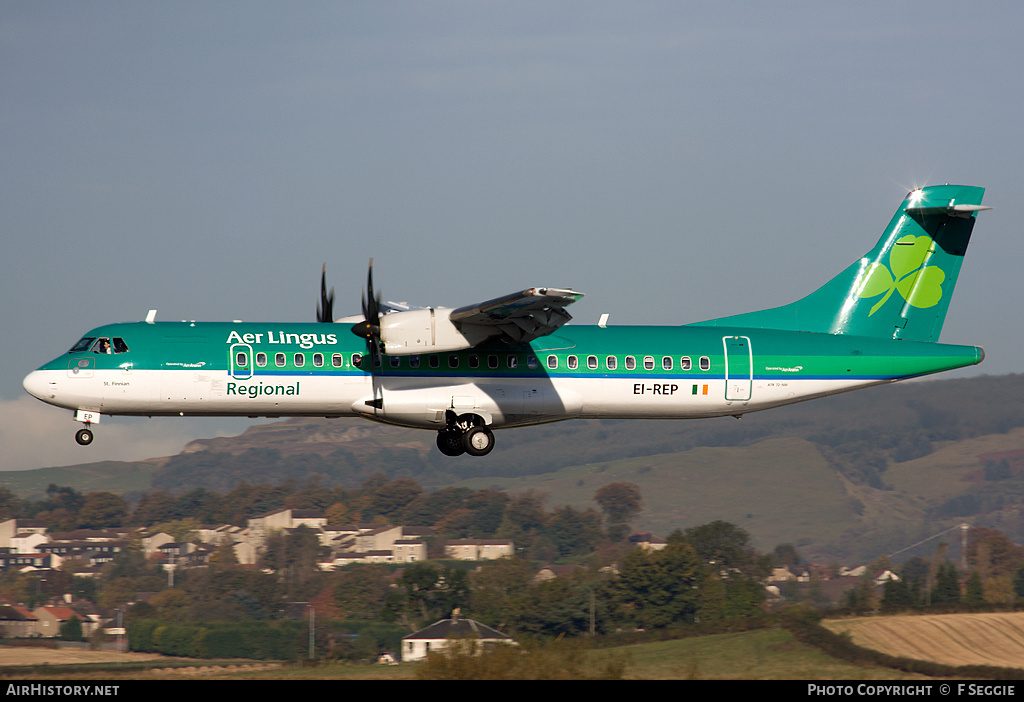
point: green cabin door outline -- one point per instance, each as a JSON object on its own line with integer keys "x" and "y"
{"x": 241, "y": 361}
{"x": 739, "y": 368}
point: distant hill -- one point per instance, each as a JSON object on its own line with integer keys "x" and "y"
{"x": 850, "y": 476}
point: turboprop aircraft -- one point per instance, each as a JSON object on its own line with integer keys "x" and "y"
{"x": 513, "y": 361}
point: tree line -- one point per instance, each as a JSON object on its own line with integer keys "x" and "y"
{"x": 705, "y": 574}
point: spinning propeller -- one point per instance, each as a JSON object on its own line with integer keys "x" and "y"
{"x": 325, "y": 308}
{"x": 368, "y": 328}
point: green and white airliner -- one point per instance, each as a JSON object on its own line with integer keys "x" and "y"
{"x": 513, "y": 361}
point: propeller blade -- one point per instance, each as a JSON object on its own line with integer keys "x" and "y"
{"x": 373, "y": 313}
{"x": 369, "y": 328}
{"x": 325, "y": 308}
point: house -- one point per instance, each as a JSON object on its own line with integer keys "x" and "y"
{"x": 28, "y": 542}
{"x": 884, "y": 576}
{"x": 154, "y": 541}
{"x": 11, "y": 528}
{"x": 781, "y": 574}
{"x": 264, "y": 525}
{"x": 479, "y": 549}
{"x": 24, "y": 562}
{"x": 409, "y": 550}
{"x": 50, "y": 619}
{"x": 648, "y": 541}
{"x": 379, "y": 539}
{"x": 439, "y": 635}
{"x": 16, "y": 622}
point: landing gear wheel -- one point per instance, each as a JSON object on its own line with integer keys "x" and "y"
{"x": 84, "y": 437}
{"x": 478, "y": 441}
{"x": 450, "y": 443}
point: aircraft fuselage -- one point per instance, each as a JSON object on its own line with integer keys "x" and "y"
{"x": 282, "y": 370}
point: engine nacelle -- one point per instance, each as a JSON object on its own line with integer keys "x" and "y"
{"x": 428, "y": 331}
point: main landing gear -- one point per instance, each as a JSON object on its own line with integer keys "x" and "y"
{"x": 465, "y": 434}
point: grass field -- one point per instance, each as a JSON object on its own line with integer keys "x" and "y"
{"x": 953, "y": 639}
{"x": 755, "y": 655}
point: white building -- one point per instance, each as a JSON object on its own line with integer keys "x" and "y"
{"x": 439, "y": 635}
{"x": 479, "y": 549}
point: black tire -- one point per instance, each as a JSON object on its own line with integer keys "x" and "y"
{"x": 450, "y": 443}
{"x": 84, "y": 437}
{"x": 478, "y": 441}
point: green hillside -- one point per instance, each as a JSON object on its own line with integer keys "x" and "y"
{"x": 112, "y": 476}
{"x": 779, "y": 490}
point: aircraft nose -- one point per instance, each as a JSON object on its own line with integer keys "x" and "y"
{"x": 38, "y": 385}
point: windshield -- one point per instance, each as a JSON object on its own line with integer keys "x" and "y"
{"x": 83, "y": 344}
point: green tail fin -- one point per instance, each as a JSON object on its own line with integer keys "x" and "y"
{"x": 901, "y": 288}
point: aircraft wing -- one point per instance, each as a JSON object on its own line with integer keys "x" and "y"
{"x": 519, "y": 317}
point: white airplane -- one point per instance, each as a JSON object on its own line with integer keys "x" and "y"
{"x": 513, "y": 361}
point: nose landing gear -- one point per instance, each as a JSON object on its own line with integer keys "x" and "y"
{"x": 84, "y": 436}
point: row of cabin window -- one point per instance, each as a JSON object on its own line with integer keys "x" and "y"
{"x": 612, "y": 363}
{"x": 338, "y": 360}
{"x": 493, "y": 361}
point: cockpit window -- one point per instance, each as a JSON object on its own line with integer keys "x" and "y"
{"x": 83, "y": 344}
{"x": 102, "y": 345}
{"x": 119, "y": 345}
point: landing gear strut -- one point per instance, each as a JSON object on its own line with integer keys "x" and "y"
{"x": 465, "y": 434}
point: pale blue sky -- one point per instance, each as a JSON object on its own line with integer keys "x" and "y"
{"x": 676, "y": 161}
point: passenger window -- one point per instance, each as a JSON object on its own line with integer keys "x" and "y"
{"x": 512, "y": 361}
{"x": 337, "y": 360}
{"x": 592, "y": 362}
{"x": 572, "y": 363}
{"x": 395, "y": 361}
{"x": 630, "y": 363}
{"x": 261, "y": 359}
{"x": 532, "y": 362}
{"x": 279, "y": 360}
{"x": 684, "y": 363}
{"x": 357, "y": 359}
{"x": 119, "y": 345}
{"x": 435, "y": 362}
{"x": 453, "y": 361}
{"x": 300, "y": 360}
{"x": 648, "y": 362}
{"x": 318, "y": 360}
{"x": 705, "y": 363}
{"x": 666, "y": 363}
{"x": 611, "y": 362}
{"x": 414, "y": 361}
{"x": 474, "y": 361}
{"x": 241, "y": 359}
{"x": 552, "y": 362}
{"x": 492, "y": 361}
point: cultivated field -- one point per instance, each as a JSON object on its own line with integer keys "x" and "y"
{"x": 24, "y": 655}
{"x": 953, "y": 639}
